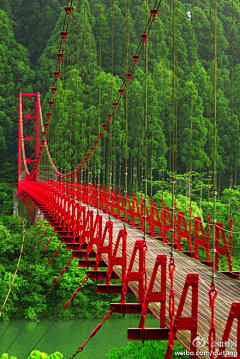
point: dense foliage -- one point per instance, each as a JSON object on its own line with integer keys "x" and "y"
{"x": 34, "y": 294}
{"x": 148, "y": 349}
{"x": 29, "y": 67}
{"x": 30, "y": 59}
{"x": 35, "y": 354}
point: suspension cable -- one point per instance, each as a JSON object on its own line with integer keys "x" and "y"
{"x": 99, "y": 108}
{"x": 110, "y": 129}
{"x": 139, "y": 49}
{"x": 18, "y": 263}
{"x": 65, "y": 307}
{"x": 76, "y": 122}
{"x": 134, "y": 129}
{"x": 173, "y": 131}
{"x": 164, "y": 87}
{"x": 145, "y": 135}
{"x": 143, "y": 117}
{"x": 90, "y": 114}
{"x": 191, "y": 122}
{"x": 82, "y": 88}
{"x": 53, "y": 132}
{"x": 58, "y": 116}
{"x": 120, "y": 143}
{"x": 171, "y": 265}
{"x": 63, "y": 72}
{"x": 70, "y": 144}
{"x": 231, "y": 176}
{"x": 104, "y": 158}
{"x": 114, "y": 154}
{"x": 140, "y": 46}
{"x": 35, "y": 285}
{"x": 215, "y": 139}
{"x": 176, "y": 110}
{"x": 210, "y": 109}
{"x": 66, "y": 113}
{"x": 191, "y": 134}
{"x": 213, "y": 291}
{"x": 126, "y": 139}
{"x": 153, "y": 112}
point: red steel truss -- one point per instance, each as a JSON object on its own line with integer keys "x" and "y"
{"x": 24, "y": 137}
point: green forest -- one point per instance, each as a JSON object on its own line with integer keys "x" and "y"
{"x": 29, "y": 43}
{"x": 29, "y": 60}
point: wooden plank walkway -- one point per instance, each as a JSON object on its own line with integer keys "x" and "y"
{"x": 228, "y": 289}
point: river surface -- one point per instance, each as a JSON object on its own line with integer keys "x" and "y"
{"x": 66, "y": 336}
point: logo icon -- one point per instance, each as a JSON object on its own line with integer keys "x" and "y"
{"x": 200, "y": 341}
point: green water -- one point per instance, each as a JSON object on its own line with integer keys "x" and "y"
{"x": 66, "y": 336}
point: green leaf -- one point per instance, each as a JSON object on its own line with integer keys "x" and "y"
{"x": 56, "y": 355}
{"x": 36, "y": 354}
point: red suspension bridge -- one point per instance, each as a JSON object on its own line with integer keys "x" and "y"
{"x": 193, "y": 291}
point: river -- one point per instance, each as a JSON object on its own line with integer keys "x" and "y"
{"x": 66, "y": 336}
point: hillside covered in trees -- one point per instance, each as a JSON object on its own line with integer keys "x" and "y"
{"x": 29, "y": 41}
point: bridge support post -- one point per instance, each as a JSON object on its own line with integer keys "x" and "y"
{"x": 186, "y": 323}
{"x": 162, "y": 333}
{"x": 225, "y": 343}
{"x": 28, "y": 133}
{"x": 222, "y": 250}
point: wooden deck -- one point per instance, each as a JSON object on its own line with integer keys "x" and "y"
{"x": 228, "y": 289}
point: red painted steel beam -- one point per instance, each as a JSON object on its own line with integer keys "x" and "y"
{"x": 111, "y": 289}
{"x": 23, "y": 137}
{"x": 148, "y": 333}
{"x": 126, "y": 308}
{"x": 101, "y": 274}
